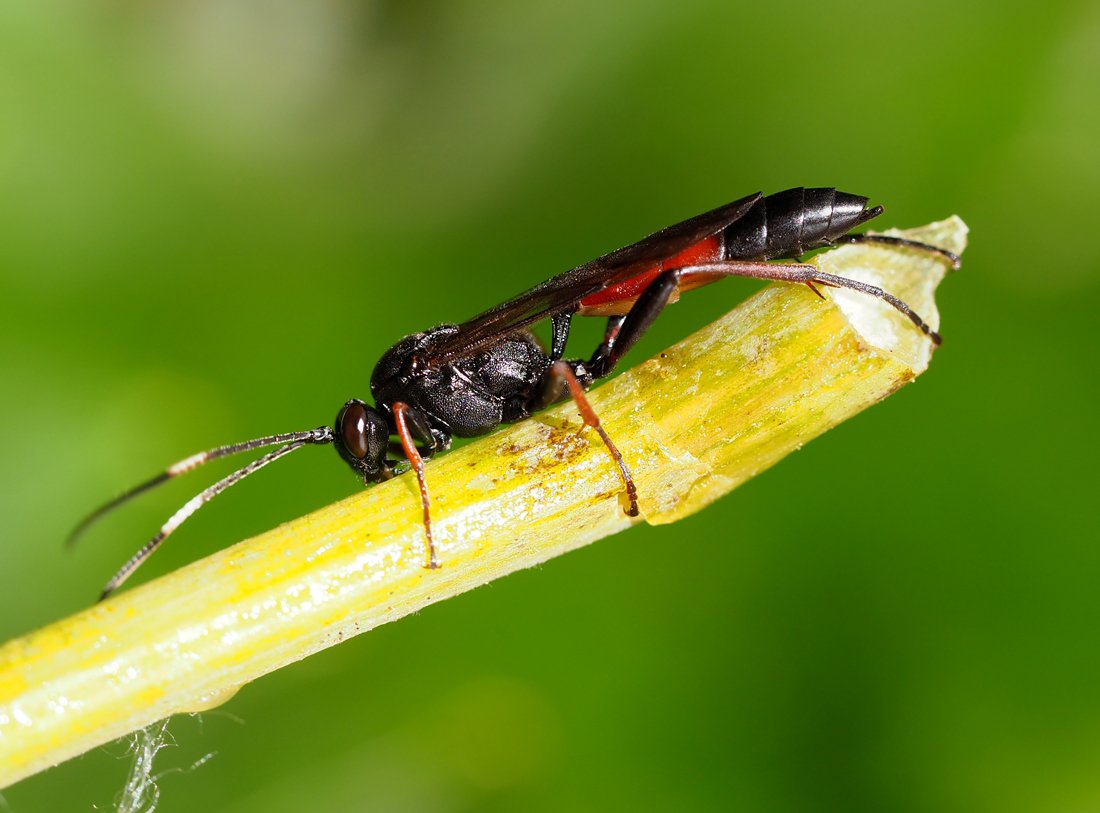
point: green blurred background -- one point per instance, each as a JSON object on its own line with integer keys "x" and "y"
{"x": 215, "y": 215}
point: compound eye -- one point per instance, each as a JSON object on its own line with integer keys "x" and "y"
{"x": 353, "y": 429}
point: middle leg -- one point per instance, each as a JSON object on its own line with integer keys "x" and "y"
{"x": 559, "y": 372}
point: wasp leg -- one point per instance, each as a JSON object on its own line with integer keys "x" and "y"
{"x": 806, "y": 275}
{"x": 950, "y": 256}
{"x": 561, "y": 371}
{"x": 603, "y": 352}
{"x": 427, "y": 447}
{"x": 559, "y": 334}
{"x": 623, "y": 332}
{"x": 654, "y": 298}
{"x": 408, "y": 420}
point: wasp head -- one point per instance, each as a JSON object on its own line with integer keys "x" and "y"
{"x": 362, "y": 438}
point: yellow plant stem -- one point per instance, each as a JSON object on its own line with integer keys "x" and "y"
{"x": 693, "y": 423}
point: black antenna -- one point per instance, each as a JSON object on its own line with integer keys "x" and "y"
{"x": 320, "y": 435}
{"x": 291, "y": 441}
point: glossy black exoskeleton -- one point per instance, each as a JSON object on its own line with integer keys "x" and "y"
{"x": 465, "y": 380}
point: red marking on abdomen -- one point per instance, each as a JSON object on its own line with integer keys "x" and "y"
{"x": 618, "y": 298}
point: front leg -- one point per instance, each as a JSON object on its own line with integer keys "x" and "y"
{"x": 408, "y": 421}
{"x": 430, "y": 443}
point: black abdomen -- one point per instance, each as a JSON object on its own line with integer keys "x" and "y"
{"x": 788, "y": 224}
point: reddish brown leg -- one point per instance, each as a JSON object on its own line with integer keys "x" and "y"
{"x": 562, "y": 370}
{"x": 408, "y": 445}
